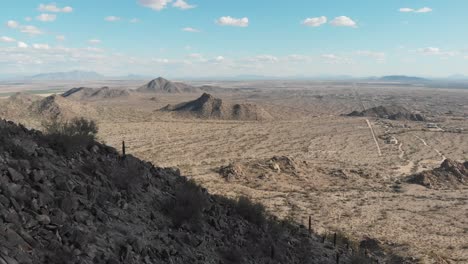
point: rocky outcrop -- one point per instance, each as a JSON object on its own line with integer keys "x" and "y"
{"x": 390, "y": 112}
{"x": 210, "y": 107}
{"x": 161, "y": 85}
{"x": 450, "y": 175}
{"x": 83, "y": 93}
{"x": 95, "y": 206}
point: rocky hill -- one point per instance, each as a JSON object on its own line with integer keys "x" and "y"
{"x": 56, "y": 106}
{"x": 18, "y": 105}
{"x": 209, "y": 107}
{"x": 392, "y": 112}
{"x": 95, "y": 206}
{"x": 83, "y": 93}
{"x": 450, "y": 175}
{"x": 161, "y": 85}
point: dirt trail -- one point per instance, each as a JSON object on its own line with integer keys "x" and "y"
{"x": 436, "y": 150}
{"x": 375, "y": 138}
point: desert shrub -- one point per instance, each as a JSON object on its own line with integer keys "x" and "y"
{"x": 187, "y": 205}
{"x": 252, "y": 212}
{"x": 68, "y": 137}
{"x": 128, "y": 175}
{"x": 360, "y": 259}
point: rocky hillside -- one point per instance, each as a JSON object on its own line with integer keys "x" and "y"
{"x": 161, "y": 85}
{"x": 56, "y": 106}
{"x": 209, "y": 107}
{"x": 450, "y": 175}
{"x": 94, "y": 206}
{"x": 83, "y": 93}
{"x": 17, "y": 105}
{"x": 392, "y": 112}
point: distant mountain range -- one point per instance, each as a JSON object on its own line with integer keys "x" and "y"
{"x": 68, "y": 76}
{"x": 402, "y": 78}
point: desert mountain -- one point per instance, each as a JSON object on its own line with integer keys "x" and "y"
{"x": 403, "y": 79}
{"x": 450, "y": 175}
{"x": 95, "y": 206}
{"x": 17, "y": 105}
{"x": 68, "y": 76}
{"x": 56, "y": 106}
{"x": 83, "y": 93}
{"x": 392, "y": 112}
{"x": 209, "y": 107}
{"x": 161, "y": 85}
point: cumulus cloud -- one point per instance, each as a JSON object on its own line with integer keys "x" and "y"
{"x": 315, "y": 21}
{"x": 41, "y": 46}
{"x": 412, "y": 10}
{"x": 335, "y": 59}
{"x": 183, "y": 5}
{"x": 343, "y": 21}
{"x": 54, "y": 8}
{"x": 264, "y": 58}
{"x": 190, "y": 29}
{"x": 94, "y": 41}
{"x": 378, "y": 56}
{"x": 134, "y": 20}
{"x": 112, "y": 18}
{"x": 436, "y": 52}
{"x": 12, "y": 24}
{"x": 7, "y": 39}
{"x": 22, "y": 45}
{"x": 231, "y": 21}
{"x": 60, "y": 38}
{"x": 155, "y": 4}
{"x": 46, "y": 17}
{"x": 31, "y": 30}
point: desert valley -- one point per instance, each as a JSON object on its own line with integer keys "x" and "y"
{"x": 378, "y": 160}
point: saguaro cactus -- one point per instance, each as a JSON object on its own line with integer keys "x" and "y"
{"x": 123, "y": 149}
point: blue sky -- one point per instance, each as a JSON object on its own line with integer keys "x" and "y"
{"x": 196, "y": 38}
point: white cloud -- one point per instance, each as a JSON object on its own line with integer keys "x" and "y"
{"x": 155, "y": 4}
{"x": 112, "y": 18}
{"x": 235, "y": 22}
{"x": 436, "y": 52}
{"x": 46, "y": 17}
{"x": 219, "y": 59}
{"x": 54, "y": 8}
{"x": 28, "y": 19}
{"x": 315, "y": 21}
{"x": 134, "y": 20}
{"x": 265, "y": 58}
{"x": 60, "y": 38}
{"x": 7, "y": 39}
{"x": 190, "y": 29}
{"x": 343, "y": 21}
{"x": 94, "y": 41}
{"x": 31, "y": 30}
{"x": 411, "y": 10}
{"x": 183, "y": 5}
{"x": 12, "y": 24}
{"x": 378, "y": 56}
{"x": 424, "y": 10}
{"x": 22, "y": 45}
{"x": 335, "y": 59}
{"x": 41, "y": 46}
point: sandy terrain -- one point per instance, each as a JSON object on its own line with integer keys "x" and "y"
{"x": 348, "y": 178}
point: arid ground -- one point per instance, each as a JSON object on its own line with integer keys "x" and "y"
{"x": 344, "y": 172}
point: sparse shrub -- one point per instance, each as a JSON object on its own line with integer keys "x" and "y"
{"x": 187, "y": 205}
{"x": 359, "y": 259}
{"x": 128, "y": 176}
{"x": 252, "y": 212}
{"x": 67, "y": 137}
{"x": 232, "y": 255}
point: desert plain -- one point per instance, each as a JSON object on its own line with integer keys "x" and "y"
{"x": 307, "y": 159}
